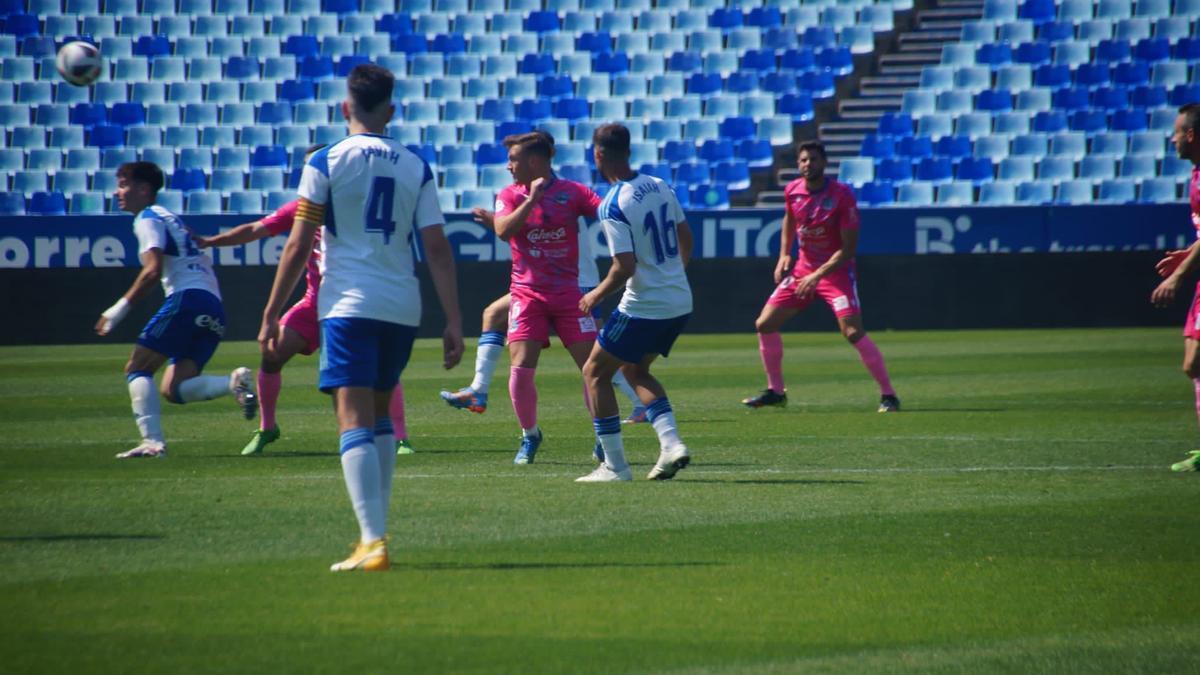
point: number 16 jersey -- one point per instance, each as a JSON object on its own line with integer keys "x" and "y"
{"x": 639, "y": 216}
{"x": 376, "y": 195}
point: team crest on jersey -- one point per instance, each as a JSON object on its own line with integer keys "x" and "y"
{"x": 562, "y": 198}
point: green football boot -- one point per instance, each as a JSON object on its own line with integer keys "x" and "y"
{"x": 403, "y": 447}
{"x": 1192, "y": 463}
{"x": 260, "y": 440}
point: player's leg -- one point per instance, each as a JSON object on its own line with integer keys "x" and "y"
{"x": 770, "y": 321}
{"x": 143, "y": 398}
{"x": 270, "y": 382}
{"x": 523, "y": 392}
{"x": 194, "y": 338}
{"x": 349, "y": 370}
{"x": 638, "y": 414}
{"x": 1191, "y": 368}
{"x": 487, "y": 354}
{"x": 673, "y": 454}
{"x": 399, "y": 422}
{"x": 598, "y": 372}
{"x": 852, "y": 329}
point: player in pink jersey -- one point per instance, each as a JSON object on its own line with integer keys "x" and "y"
{"x": 1179, "y": 264}
{"x": 301, "y": 330}
{"x": 538, "y": 216}
{"x": 823, "y": 215}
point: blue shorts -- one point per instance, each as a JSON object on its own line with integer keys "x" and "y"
{"x": 363, "y": 353}
{"x": 631, "y": 339}
{"x": 189, "y": 325}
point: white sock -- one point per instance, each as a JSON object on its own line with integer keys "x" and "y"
{"x": 147, "y": 409}
{"x": 487, "y": 354}
{"x": 385, "y": 447}
{"x": 608, "y": 430}
{"x": 360, "y": 468}
{"x": 627, "y": 389}
{"x": 203, "y": 388}
{"x": 662, "y": 417}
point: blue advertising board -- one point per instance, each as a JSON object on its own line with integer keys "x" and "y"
{"x": 108, "y": 241}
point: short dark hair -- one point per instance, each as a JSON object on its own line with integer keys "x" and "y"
{"x": 811, "y": 147}
{"x": 613, "y": 139}
{"x": 146, "y": 173}
{"x": 538, "y": 142}
{"x": 370, "y": 86}
{"x": 1191, "y": 116}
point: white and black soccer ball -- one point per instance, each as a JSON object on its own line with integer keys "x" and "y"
{"x": 79, "y": 63}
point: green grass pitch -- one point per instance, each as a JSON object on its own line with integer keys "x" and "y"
{"x": 1018, "y": 516}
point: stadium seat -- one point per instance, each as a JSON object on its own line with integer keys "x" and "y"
{"x": 47, "y": 204}
{"x": 1117, "y": 191}
{"x": 1074, "y": 192}
{"x": 914, "y": 194}
{"x": 876, "y": 194}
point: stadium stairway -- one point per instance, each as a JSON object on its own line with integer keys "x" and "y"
{"x": 917, "y": 42}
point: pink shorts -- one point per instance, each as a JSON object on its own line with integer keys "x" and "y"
{"x": 531, "y": 314}
{"x": 1191, "y": 329}
{"x": 302, "y": 318}
{"x": 839, "y": 290}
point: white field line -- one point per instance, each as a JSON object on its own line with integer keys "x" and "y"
{"x": 692, "y": 471}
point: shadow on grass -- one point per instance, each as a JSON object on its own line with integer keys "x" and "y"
{"x": 907, "y": 411}
{"x": 278, "y": 454}
{"x": 454, "y": 566}
{"x": 777, "y": 481}
{"x": 80, "y": 537}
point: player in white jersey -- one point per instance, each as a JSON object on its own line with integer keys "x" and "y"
{"x": 474, "y": 397}
{"x": 186, "y": 329}
{"x": 651, "y": 243}
{"x": 373, "y": 195}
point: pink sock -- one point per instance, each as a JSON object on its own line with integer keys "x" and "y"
{"x": 1196, "y": 382}
{"x": 268, "y": 396}
{"x": 873, "y": 360}
{"x": 524, "y": 396}
{"x": 396, "y": 412}
{"x": 770, "y": 346}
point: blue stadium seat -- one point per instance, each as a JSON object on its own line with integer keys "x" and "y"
{"x": 935, "y": 169}
{"x": 994, "y": 100}
{"x": 1117, "y": 191}
{"x": 877, "y": 193}
{"x": 1074, "y": 192}
{"x": 1089, "y": 121}
{"x": 1033, "y": 53}
{"x": 1033, "y": 193}
{"x": 975, "y": 169}
{"x": 1016, "y": 169}
{"x": 954, "y": 194}
{"x": 47, "y": 204}
{"x": 953, "y": 147}
{"x": 1095, "y": 168}
{"x": 246, "y": 202}
{"x": 935, "y": 125}
{"x": 992, "y": 147}
{"x": 1158, "y": 191}
{"x": 711, "y": 196}
{"x": 185, "y": 179}
{"x": 269, "y": 156}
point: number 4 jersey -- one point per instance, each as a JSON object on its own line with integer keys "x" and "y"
{"x": 184, "y": 266}
{"x": 639, "y": 216}
{"x": 376, "y": 194}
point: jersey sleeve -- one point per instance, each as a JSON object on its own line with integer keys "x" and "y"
{"x": 429, "y": 211}
{"x": 282, "y": 219}
{"x": 506, "y": 201}
{"x": 616, "y": 227}
{"x": 151, "y": 233}
{"x": 314, "y": 180}
{"x": 849, "y": 207}
{"x": 589, "y": 202}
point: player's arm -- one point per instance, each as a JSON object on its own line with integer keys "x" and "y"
{"x": 442, "y": 271}
{"x": 296, "y": 252}
{"x": 511, "y": 223}
{"x": 484, "y": 217}
{"x": 683, "y": 232}
{"x": 1164, "y": 294}
{"x": 787, "y": 236}
{"x": 242, "y": 234}
{"x": 622, "y": 268}
{"x": 147, "y": 278}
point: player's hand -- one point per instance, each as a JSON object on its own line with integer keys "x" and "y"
{"x": 1170, "y": 262}
{"x": 201, "y": 242}
{"x": 268, "y": 335}
{"x": 452, "y": 346}
{"x": 484, "y": 217}
{"x": 587, "y": 302}
{"x": 1164, "y": 295}
{"x": 536, "y": 188}
{"x": 102, "y": 325}
{"x": 782, "y": 267}
{"x": 807, "y": 285}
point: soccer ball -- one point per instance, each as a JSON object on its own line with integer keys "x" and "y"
{"x": 79, "y": 63}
